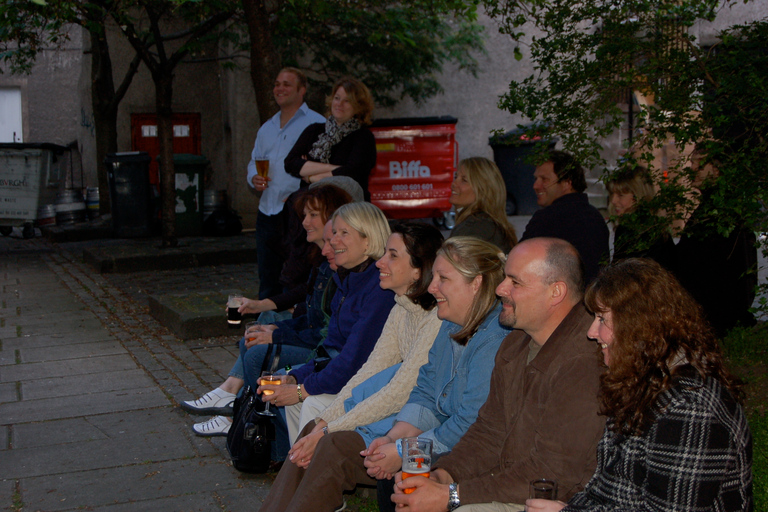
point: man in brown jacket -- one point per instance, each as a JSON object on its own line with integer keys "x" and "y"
{"x": 541, "y": 417}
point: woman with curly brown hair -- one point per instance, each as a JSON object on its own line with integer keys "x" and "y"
{"x": 676, "y": 438}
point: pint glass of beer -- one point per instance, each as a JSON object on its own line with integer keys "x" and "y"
{"x": 233, "y": 315}
{"x": 417, "y": 458}
{"x": 262, "y": 166}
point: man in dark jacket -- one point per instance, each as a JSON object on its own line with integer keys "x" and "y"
{"x": 566, "y": 212}
{"x": 541, "y": 417}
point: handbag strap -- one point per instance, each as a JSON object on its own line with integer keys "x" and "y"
{"x": 275, "y": 360}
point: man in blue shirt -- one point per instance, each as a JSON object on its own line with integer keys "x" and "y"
{"x": 275, "y": 139}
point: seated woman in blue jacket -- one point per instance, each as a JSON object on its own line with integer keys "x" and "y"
{"x": 450, "y": 388}
{"x": 359, "y": 310}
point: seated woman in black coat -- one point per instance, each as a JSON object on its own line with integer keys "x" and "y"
{"x": 341, "y": 146}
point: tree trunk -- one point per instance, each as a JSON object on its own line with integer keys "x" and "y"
{"x": 265, "y": 60}
{"x": 163, "y": 79}
{"x": 104, "y": 111}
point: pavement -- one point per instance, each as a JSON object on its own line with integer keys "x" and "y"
{"x": 89, "y": 386}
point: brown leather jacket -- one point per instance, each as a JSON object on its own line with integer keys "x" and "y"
{"x": 540, "y": 420}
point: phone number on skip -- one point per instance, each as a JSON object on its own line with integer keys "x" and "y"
{"x": 415, "y": 186}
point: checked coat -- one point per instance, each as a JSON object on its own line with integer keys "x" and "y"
{"x": 696, "y": 456}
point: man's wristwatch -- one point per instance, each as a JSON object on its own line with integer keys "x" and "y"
{"x": 453, "y": 497}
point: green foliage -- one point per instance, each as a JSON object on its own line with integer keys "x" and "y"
{"x": 758, "y": 423}
{"x": 587, "y": 56}
{"x": 397, "y": 48}
{"x": 27, "y": 26}
{"x": 745, "y": 344}
{"x": 746, "y": 350}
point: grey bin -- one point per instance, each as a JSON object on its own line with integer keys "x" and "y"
{"x": 510, "y": 153}
{"x": 130, "y": 194}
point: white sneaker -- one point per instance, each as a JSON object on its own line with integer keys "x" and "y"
{"x": 216, "y": 426}
{"x": 217, "y": 401}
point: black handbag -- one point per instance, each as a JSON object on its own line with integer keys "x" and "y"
{"x": 250, "y": 438}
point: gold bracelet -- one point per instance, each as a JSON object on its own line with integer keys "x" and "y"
{"x": 298, "y": 391}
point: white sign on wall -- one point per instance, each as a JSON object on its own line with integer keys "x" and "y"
{"x": 10, "y": 115}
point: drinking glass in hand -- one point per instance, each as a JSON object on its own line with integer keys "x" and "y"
{"x": 268, "y": 378}
{"x": 262, "y": 166}
{"x": 417, "y": 458}
{"x": 233, "y": 315}
{"x": 543, "y": 489}
{"x": 250, "y": 331}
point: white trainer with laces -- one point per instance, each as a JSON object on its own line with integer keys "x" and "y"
{"x": 216, "y": 426}
{"x": 217, "y": 401}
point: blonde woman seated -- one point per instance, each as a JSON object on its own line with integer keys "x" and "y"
{"x": 479, "y": 195}
{"x": 391, "y": 370}
{"x": 359, "y": 310}
{"x": 450, "y": 388}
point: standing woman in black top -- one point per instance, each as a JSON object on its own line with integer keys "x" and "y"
{"x": 342, "y": 146}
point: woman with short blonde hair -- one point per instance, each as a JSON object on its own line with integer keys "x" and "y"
{"x": 370, "y": 222}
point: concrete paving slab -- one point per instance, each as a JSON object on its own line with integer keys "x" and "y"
{"x": 130, "y": 425}
{"x": 50, "y": 433}
{"x": 179, "y": 481}
{"x": 55, "y": 339}
{"x": 136, "y": 444}
{"x": 7, "y": 489}
{"x": 77, "y": 385}
{"x": 147, "y": 254}
{"x": 219, "y": 358}
{"x": 5, "y": 435}
{"x": 200, "y": 502}
{"x": 258, "y": 485}
{"x": 73, "y": 351}
{"x": 63, "y": 325}
{"x": 8, "y": 392}
{"x": 8, "y": 357}
{"x": 34, "y": 277}
{"x": 83, "y": 366}
{"x": 50, "y": 315}
{"x": 79, "y": 405}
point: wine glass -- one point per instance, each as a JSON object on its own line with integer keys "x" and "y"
{"x": 268, "y": 378}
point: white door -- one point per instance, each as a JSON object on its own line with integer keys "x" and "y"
{"x": 10, "y": 115}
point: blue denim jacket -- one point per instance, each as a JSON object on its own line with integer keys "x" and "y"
{"x": 454, "y": 383}
{"x": 306, "y": 330}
